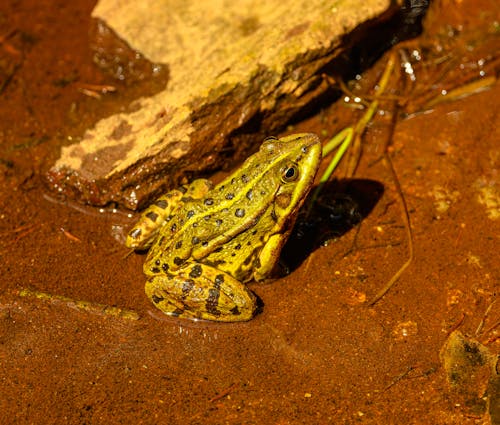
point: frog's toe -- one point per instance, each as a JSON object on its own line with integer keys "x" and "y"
{"x": 215, "y": 301}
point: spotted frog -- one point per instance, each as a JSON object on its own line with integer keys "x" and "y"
{"x": 206, "y": 242}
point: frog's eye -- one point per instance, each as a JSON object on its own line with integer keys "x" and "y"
{"x": 290, "y": 173}
{"x": 270, "y": 139}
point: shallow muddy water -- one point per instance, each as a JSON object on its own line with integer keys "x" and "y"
{"x": 317, "y": 352}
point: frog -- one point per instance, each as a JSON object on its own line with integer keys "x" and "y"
{"x": 207, "y": 242}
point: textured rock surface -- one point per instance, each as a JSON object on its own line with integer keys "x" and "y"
{"x": 230, "y": 64}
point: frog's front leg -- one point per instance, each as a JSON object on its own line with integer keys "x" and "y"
{"x": 143, "y": 234}
{"x": 269, "y": 256}
{"x": 198, "y": 291}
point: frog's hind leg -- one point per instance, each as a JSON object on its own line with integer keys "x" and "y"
{"x": 222, "y": 299}
{"x": 144, "y": 232}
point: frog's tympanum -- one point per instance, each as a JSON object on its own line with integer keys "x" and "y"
{"x": 205, "y": 242}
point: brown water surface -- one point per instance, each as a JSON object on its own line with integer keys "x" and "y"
{"x": 317, "y": 353}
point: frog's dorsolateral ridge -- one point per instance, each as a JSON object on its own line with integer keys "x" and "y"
{"x": 205, "y": 242}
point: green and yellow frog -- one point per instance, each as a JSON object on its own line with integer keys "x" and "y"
{"x": 206, "y": 242}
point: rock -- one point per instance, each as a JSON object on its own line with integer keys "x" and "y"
{"x": 472, "y": 372}
{"x": 233, "y": 67}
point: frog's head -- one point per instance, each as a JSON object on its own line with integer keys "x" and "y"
{"x": 295, "y": 161}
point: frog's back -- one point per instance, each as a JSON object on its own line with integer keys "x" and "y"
{"x": 204, "y": 226}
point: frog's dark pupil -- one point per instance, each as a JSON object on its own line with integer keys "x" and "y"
{"x": 290, "y": 173}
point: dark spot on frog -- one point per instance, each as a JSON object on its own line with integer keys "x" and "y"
{"x": 304, "y": 149}
{"x": 221, "y": 188}
{"x": 213, "y": 296}
{"x": 161, "y": 203}
{"x": 186, "y": 288}
{"x": 164, "y": 267}
{"x": 170, "y": 217}
{"x": 195, "y": 271}
{"x": 195, "y": 224}
{"x": 254, "y": 232}
{"x": 218, "y": 222}
{"x": 178, "y": 245}
{"x": 190, "y": 213}
{"x": 156, "y": 299}
{"x": 215, "y": 264}
{"x": 237, "y": 246}
{"x": 229, "y": 196}
{"x": 274, "y": 216}
{"x": 249, "y": 195}
{"x": 209, "y": 201}
{"x": 135, "y": 233}
{"x": 224, "y": 211}
{"x": 204, "y": 243}
{"x": 162, "y": 239}
{"x": 207, "y": 217}
{"x": 235, "y": 311}
{"x": 173, "y": 228}
{"x": 155, "y": 270}
{"x": 195, "y": 240}
{"x": 178, "y": 261}
{"x": 183, "y": 189}
{"x": 233, "y": 180}
{"x": 244, "y": 178}
{"x": 240, "y": 212}
{"x": 152, "y": 216}
{"x": 157, "y": 262}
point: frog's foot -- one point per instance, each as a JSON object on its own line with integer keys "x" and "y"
{"x": 224, "y": 299}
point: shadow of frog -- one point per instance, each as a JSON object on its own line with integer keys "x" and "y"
{"x": 342, "y": 205}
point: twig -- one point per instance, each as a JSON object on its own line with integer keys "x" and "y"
{"x": 70, "y": 236}
{"x": 223, "y": 393}
{"x": 406, "y": 216}
{"x": 88, "y": 306}
{"x": 483, "y": 320}
{"x": 457, "y": 324}
{"x": 399, "y": 377}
